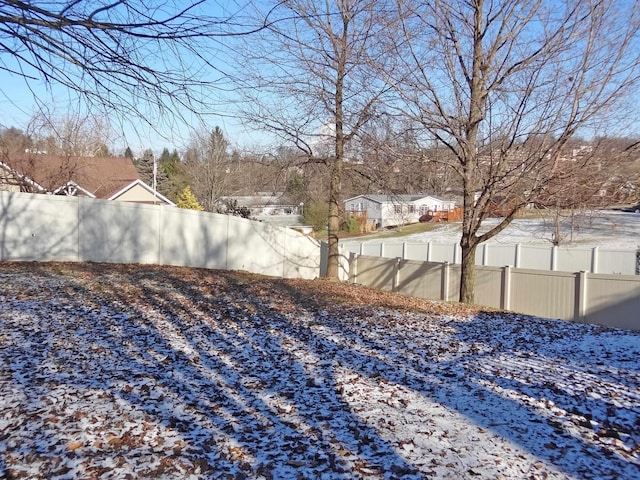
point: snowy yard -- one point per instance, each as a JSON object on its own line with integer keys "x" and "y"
{"x": 604, "y": 228}
{"x": 113, "y": 371}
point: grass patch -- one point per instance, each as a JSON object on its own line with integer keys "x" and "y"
{"x": 401, "y": 231}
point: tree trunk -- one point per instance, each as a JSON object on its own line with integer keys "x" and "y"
{"x": 334, "y": 220}
{"x": 470, "y": 222}
{"x": 335, "y": 184}
{"x": 556, "y": 229}
{"x": 468, "y": 273}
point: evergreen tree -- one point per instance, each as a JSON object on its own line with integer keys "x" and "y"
{"x": 186, "y": 199}
{"x": 172, "y": 167}
{"x": 170, "y": 162}
{"x": 128, "y": 153}
{"x": 144, "y": 165}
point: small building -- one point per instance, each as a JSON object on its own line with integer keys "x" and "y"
{"x": 268, "y": 207}
{"x": 393, "y": 210}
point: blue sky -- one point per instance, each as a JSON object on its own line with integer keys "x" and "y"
{"x": 21, "y": 98}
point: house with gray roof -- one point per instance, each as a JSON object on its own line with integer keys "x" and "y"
{"x": 393, "y": 210}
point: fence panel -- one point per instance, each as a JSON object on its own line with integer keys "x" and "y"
{"x": 416, "y": 251}
{"x": 496, "y": 255}
{"x": 393, "y": 250}
{"x": 376, "y": 272}
{"x": 545, "y": 294}
{"x": 614, "y": 300}
{"x": 372, "y": 249}
{"x": 616, "y": 262}
{"x": 257, "y": 247}
{"x": 488, "y": 287}
{"x": 118, "y": 232}
{"x": 38, "y": 227}
{"x": 421, "y": 279}
{"x": 537, "y": 257}
{"x": 443, "y": 252}
{"x": 571, "y": 259}
{"x": 352, "y": 247}
{"x": 199, "y": 239}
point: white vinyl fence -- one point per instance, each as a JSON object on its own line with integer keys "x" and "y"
{"x": 59, "y": 228}
{"x": 538, "y": 257}
{"x": 612, "y": 300}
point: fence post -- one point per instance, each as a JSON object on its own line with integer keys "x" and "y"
{"x": 353, "y": 267}
{"x": 429, "y": 252}
{"x": 518, "y": 255}
{"x": 594, "y": 260}
{"x": 485, "y": 255}
{"x": 456, "y": 253}
{"x": 404, "y": 250}
{"x": 444, "y": 286}
{"x": 579, "y": 314}
{"x": 396, "y": 275}
{"x": 554, "y": 258}
{"x": 381, "y": 249}
{"x": 505, "y": 300}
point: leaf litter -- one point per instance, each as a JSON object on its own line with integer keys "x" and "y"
{"x": 129, "y": 371}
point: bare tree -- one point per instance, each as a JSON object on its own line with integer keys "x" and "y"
{"x": 209, "y": 167}
{"x": 12, "y": 141}
{"x": 46, "y": 156}
{"x": 390, "y": 159}
{"x": 505, "y": 85}
{"x": 123, "y": 56}
{"x": 313, "y": 83}
{"x": 70, "y": 135}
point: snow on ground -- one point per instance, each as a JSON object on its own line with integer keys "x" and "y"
{"x": 148, "y": 372}
{"x": 607, "y": 229}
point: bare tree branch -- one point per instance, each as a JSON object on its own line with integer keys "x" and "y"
{"x": 121, "y": 55}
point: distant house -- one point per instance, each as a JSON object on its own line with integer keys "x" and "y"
{"x": 392, "y": 210}
{"x": 263, "y": 204}
{"x": 95, "y": 177}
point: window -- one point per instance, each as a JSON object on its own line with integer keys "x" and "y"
{"x": 412, "y": 208}
{"x": 397, "y": 209}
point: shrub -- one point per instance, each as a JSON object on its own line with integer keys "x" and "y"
{"x": 316, "y": 214}
{"x": 351, "y": 224}
{"x": 186, "y": 199}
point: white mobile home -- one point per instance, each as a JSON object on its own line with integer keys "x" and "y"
{"x": 391, "y": 210}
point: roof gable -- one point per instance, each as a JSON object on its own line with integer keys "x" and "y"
{"x": 140, "y": 184}
{"x": 393, "y": 199}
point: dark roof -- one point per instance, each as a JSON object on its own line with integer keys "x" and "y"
{"x": 392, "y": 198}
{"x": 101, "y": 176}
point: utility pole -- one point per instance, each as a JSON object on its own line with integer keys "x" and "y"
{"x": 155, "y": 178}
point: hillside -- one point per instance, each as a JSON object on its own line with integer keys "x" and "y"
{"x": 112, "y": 371}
